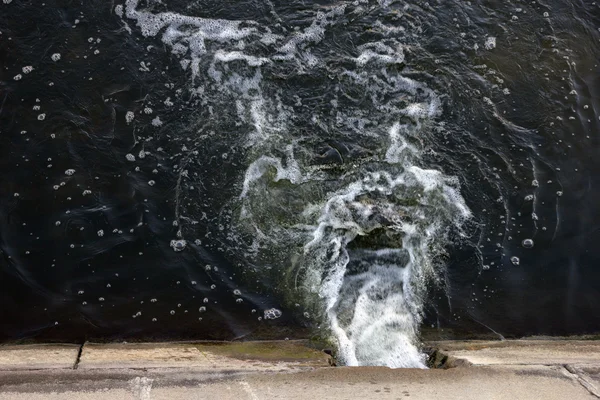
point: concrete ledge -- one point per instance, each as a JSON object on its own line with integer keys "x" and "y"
{"x": 522, "y": 369}
{"x": 522, "y": 352}
{"x": 38, "y": 356}
{"x": 489, "y": 382}
{"x": 235, "y": 356}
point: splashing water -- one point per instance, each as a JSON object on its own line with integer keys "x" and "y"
{"x": 334, "y": 196}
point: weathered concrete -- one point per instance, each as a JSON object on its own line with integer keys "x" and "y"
{"x": 576, "y": 359}
{"x": 523, "y": 352}
{"x": 291, "y": 370}
{"x": 237, "y": 356}
{"x": 494, "y": 382}
{"x": 38, "y": 356}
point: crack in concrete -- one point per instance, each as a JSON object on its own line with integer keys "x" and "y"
{"x": 581, "y": 377}
{"x": 78, "y": 358}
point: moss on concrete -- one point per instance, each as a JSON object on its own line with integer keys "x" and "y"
{"x": 284, "y": 350}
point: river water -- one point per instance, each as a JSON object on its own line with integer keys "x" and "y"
{"x": 358, "y": 171}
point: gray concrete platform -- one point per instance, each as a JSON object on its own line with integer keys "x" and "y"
{"x": 292, "y": 370}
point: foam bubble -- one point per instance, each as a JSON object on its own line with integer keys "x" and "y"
{"x": 272, "y": 313}
{"x": 490, "y": 43}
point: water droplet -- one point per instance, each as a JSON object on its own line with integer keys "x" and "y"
{"x": 172, "y": 312}
{"x": 515, "y": 260}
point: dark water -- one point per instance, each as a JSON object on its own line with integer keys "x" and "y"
{"x": 257, "y": 169}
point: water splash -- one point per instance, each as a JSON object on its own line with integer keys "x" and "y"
{"x": 335, "y": 197}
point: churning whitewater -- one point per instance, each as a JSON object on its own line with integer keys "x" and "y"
{"x": 333, "y": 195}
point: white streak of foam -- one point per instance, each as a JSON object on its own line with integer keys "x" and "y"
{"x": 258, "y": 168}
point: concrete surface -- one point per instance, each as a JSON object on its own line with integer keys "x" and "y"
{"x": 38, "y": 356}
{"x": 289, "y": 370}
{"x": 207, "y": 356}
{"x": 523, "y": 352}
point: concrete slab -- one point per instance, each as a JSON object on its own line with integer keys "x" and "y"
{"x": 527, "y": 369}
{"x": 522, "y": 352}
{"x": 490, "y": 382}
{"x": 237, "y": 356}
{"x": 38, "y": 356}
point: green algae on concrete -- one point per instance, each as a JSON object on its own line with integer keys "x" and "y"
{"x": 272, "y": 350}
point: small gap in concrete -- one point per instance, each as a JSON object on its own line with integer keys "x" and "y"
{"x": 76, "y": 364}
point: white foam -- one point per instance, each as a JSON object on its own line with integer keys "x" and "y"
{"x": 490, "y": 43}
{"x": 384, "y": 325}
{"x": 372, "y": 299}
{"x": 379, "y": 53}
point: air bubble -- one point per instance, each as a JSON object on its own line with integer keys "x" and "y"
{"x": 178, "y": 245}
{"x": 515, "y": 260}
{"x": 272, "y": 313}
{"x": 527, "y": 243}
